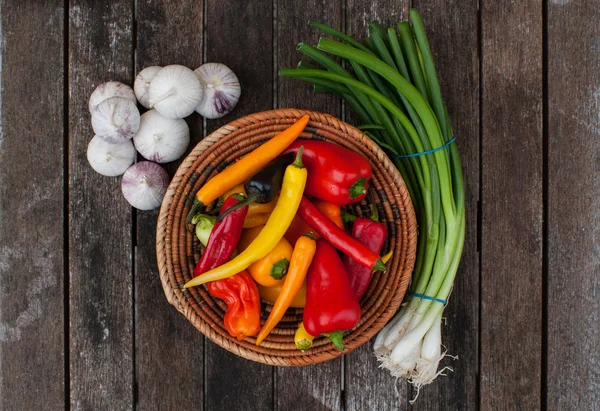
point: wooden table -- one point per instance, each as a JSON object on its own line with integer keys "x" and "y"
{"x": 84, "y": 323}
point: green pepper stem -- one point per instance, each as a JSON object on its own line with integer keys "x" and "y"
{"x": 279, "y": 269}
{"x": 337, "y": 338}
{"x": 304, "y": 345}
{"x": 298, "y": 161}
{"x": 358, "y": 188}
{"x": 379, "y": 265}
{"x": 197, "y": 207}
{"x": 244, "y": 201}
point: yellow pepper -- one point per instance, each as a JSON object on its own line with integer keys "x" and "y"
{"x": 270, "y": 270}
{"x": 292, "y": 189}
{"x": 302, "y": 339}
{"x": 271, "y": 293}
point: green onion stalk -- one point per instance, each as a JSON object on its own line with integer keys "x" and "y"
{"x": 390, "y": 82}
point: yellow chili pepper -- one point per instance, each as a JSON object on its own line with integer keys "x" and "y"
{"x": 248, "y": 166}
{"x": 270, "y": 270}
{"x": 292, "y": 190}
{"x": 304, "y": 250}
{"x": 256, "y": 220}
{"x": 271, "y": 293}
{"x": 302, "y": 339}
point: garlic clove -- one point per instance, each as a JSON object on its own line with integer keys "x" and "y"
{"x": 221, "y": 90}
{"x": 141, "y": 85}
{"x": 144, "y": 185}
{"x": 175, "y": 91}
{"x": 108, "y": 90}
{"x": 161, "y": 139}
{"x": 116, "y": 120}
{"x": 110, "y": 159}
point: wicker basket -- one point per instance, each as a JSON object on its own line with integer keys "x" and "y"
{"x": 178, "y": 250}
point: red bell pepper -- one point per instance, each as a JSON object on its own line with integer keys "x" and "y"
{"x": 335, "y": 174}
{"x": 348, "y": 245}
{"x": 373, "y": 235}
{"x": 331, "y": 305}
{"x": 239, "y": 291}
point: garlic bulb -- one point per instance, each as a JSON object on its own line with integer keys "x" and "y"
{"x": 161, "y": 139}
{"x": 116, "y": 120}
{"x": 110, "y": 159}
{"x": 141, "y": 85}
{"x": 108, "y": 90}
{"x": 220, "y": 90}
{"x": 144, "y": 185}
{"x": 175, "y": 91}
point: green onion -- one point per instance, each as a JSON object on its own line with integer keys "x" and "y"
{"x": 394, "y": 89}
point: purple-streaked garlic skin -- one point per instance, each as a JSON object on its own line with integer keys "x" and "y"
{"x": 110, "y": 89}
{"x": 110, "y": 160}
{"x": 144, "y": 185}
{"x": 175, "y": 92}
{"x": 161, "y": 139}
{"x": 221, "y": 90}
{"x": 116, "y": 120}
{"x": 141, "y": 85}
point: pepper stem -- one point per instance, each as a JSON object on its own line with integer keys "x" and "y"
{"x": 337, "y": 338}
{"x": 197, "y": 207}
{"x": 243, "y": 202}
{"x": 310, "y": 235}
{"x": 347, "y": 218}
{"x": 298, "y": 161}
{"x": 304, "y": 345}
{"x": 279, "y": 269}
{"x": 359, "y": 188}
{"x": 379, "y": 265}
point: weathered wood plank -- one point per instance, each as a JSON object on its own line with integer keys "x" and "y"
{"x": 458, "y": 70}
{"x": 100, "y": 243}
{"x": 316, "y": 387}
{"x": 31, "y": 206}
{"x": 367, "y": 387}
{"x": 512, "y": 205}
{"x": 240, "y": 37}
{"x": 573, "y": 205}
{"x": 168, "y": 347}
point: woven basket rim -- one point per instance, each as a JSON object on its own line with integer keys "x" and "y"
{"x": 174, "y": 293}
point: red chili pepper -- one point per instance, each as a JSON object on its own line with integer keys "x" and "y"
{"x": 239, "y": 291}
{"x": 372, "y": 234}
{"x": 335, "y": 174}
{"x": 224, "y": 237}
{"x": 331, "y": 306}
{"x": 327, "y": 229}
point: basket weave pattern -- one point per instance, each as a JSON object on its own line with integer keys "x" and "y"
{"x": 178, "y": 250}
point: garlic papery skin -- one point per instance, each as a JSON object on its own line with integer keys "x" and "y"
{"x": 110, "y": 160}
{"x": 116, "y": 120}
{"x": 108, "y": 90}
{"x": 141, "y": 85}
{"x": 161, "y": 139}
{"x": 144, "y": 185}
{"x": 221, "y": 90}
{"x": 175, "y": 92}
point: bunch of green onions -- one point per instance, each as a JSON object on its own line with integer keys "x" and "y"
{"x": 392, "y": 86}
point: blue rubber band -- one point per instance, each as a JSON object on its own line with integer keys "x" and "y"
{"x": 422, "y": 153}
{"x": 426, "y": 297}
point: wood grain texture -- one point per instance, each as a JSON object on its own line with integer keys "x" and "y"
{"x": 100, "y": 243}
{"x": 241, "y": 38}
{"x": 169, "y": 350}
{"x": 573, "y": 205}
{"x": 361, "y": 366}
{"x": 457, "y": 63}
{"x": 316, "y": 387}
{"x": 512, "y": 205}
{"x": 31, "y": 206}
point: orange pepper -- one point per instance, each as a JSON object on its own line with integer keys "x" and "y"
{"x": 256, "y": 220}
{"x": 270, "y": 270}
{"x": 302, "y": 256}
{"x": 299, "y": 228}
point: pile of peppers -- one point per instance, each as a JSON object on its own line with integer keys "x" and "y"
{"x": 280, "y": 237}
